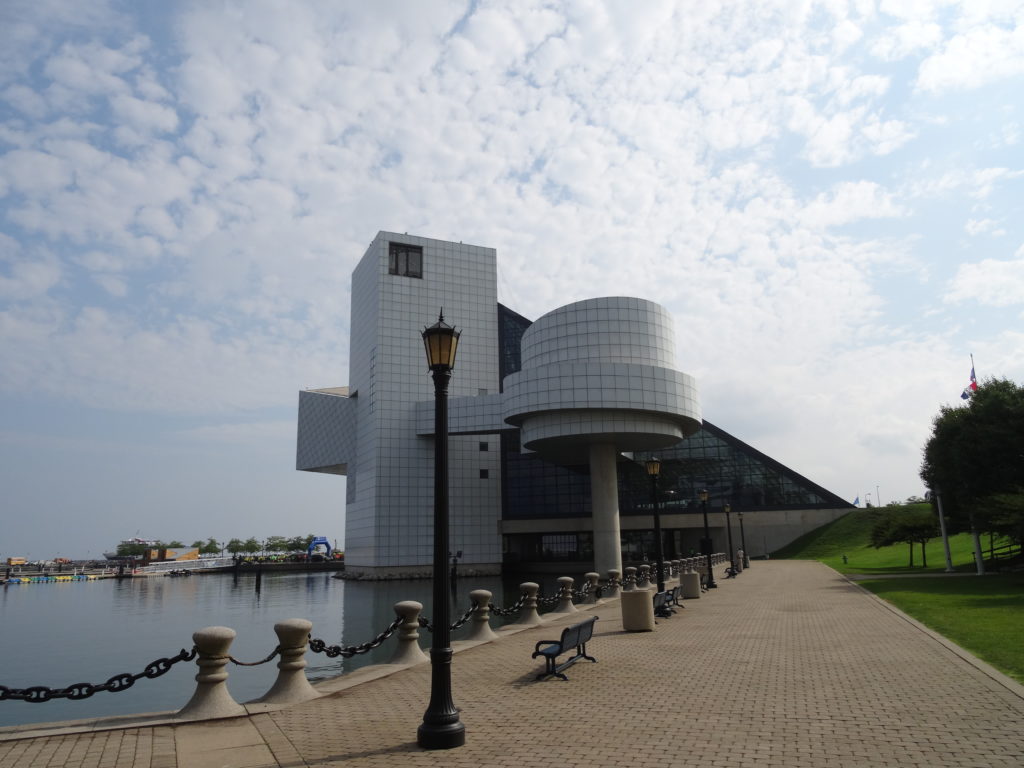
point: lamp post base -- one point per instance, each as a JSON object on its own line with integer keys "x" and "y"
{"x": 441, "y": 735}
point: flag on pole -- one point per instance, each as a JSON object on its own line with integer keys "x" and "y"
{"x": 971, "y": 388}
{"x": 856, "y": 502}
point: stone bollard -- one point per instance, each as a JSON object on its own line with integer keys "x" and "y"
{"x": 480, "y": 621}
{"x": 643, "y": 580}
{"x": 408, "y": 650}
{"x": 291, "y": 685}
{"x": 211, "y": 698}
{"x": 677, "y": 571}
{"x": 565, "y": 595}
{"x": 528, "y": 613}
{"x": 739, "y": 561}
{"x": 593, "y": 585}
{"x": 614, "y": 586}
{"x": 690, "y": 584}
{"x": 629, "y": 583}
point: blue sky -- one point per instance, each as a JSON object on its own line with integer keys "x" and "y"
{"x": 827, "y": 196}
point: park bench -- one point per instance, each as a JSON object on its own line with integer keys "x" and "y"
{"x": 664, "y": 602}
{"x": 574, "y": 639}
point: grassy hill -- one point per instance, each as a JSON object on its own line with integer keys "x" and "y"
{"x": 850, "y": 535}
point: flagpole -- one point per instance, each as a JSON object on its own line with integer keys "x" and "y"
{"x": 945, "y": 535}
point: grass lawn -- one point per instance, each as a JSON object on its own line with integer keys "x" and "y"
{"x": 985, "y": 614}
{"x": 850, "y": 536}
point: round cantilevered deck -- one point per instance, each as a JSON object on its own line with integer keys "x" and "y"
{"x": 598, "y": 378}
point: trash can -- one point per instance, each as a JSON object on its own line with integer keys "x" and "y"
{"x": 691, "y": 584}
{"x": 638, "y": 611}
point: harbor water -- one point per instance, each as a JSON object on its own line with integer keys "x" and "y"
{"x": 63, "y": 633}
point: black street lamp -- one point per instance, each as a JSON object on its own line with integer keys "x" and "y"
{"x": 441, "y": 727}
{"x": 743, "y": 542}
{"x": 728, "y": 527}
{"x": 706, "y": 544}
{"x": 653, "y": 469}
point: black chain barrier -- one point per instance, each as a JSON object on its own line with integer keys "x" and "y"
{"x": 429, "y": 626}
{"x": 581, "y": 594}
{"x": 40, "y": 693}
{"x": 273, "y": 653}
{"x": 498, "y": 611}
{"x": 546, "y": 601}
{"x": 347, "y": 652}
{"x": 465, "y": 617}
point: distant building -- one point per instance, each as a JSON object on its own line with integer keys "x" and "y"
{"x": 549, "y": 422}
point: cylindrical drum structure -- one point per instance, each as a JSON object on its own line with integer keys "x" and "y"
{"x": 598, "y": 378}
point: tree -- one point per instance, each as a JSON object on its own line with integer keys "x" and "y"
{"x": 251, "y": 545}
{"x": 300, "y": 543}
{"x": 277, "y": 544}
{"x": 175, "y": 543}
{"x": 197, "y": 544}
{"x": 126, "y": 549}
{"x": 975, "y": 459}
{"x": 911, "y": 527}
{"x": 1006, "y": 513}
{"x": 211, "y": 547}
{"x": 235, "y": 546}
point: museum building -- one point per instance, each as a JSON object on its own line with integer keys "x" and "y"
{"x": 550, "y": 423}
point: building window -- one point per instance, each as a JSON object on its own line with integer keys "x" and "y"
{"x": 484, "y": 447}
{"x": 405, "y": 260}
{"x": 484, "y": 474}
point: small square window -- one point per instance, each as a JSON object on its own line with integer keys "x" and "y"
{"x": 484, "y": 446}
{"x": 405, "y": 260}
{"x": 484, "y": 474}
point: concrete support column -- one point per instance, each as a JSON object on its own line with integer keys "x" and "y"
{"x": 604, "y": 501}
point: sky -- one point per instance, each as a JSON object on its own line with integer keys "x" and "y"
{"x": 827, "y": 196}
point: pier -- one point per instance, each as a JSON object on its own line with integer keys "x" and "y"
{"x": 789, "y": 665}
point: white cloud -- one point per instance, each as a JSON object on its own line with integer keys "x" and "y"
{"x": 144, "y": 116}
{"x": 977, "y": 56}
{"x": 24, "y": 99}
{"x": 23, "y": 278}
{"x": 112, "y": 284}
{"x": 850, "y": 202}
{"x": 32, "y": 172}
{"x": 991, "y": 282}
{"x": 983, "y": 227}
{"x": 906, "y": 39}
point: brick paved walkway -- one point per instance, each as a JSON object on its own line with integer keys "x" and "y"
{"x": 789, "y": 665}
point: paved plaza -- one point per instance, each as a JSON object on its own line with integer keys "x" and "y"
{"x": 788, "y": 665}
